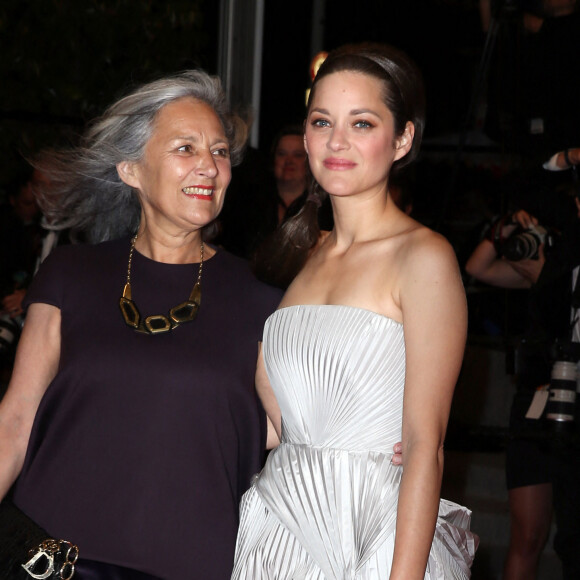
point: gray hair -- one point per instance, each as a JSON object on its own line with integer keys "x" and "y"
{"x": 85, "y": 193}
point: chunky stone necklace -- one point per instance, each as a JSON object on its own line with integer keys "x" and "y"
{"x": 159, "y": 323}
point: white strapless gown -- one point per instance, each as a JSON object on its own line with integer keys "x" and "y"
{"x": 325, "y": 504}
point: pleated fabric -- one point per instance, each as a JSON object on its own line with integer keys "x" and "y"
{"x": 325, "y": 504}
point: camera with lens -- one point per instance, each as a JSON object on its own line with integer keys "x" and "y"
{"x": 561, "y": 405}
{"x": 524, "y": 244}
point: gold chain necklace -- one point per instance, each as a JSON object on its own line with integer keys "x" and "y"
{"x": 158, "y": 323}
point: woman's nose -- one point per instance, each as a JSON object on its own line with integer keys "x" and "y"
{"x": 337, "y": 139}
{"x": 207, "y": 165}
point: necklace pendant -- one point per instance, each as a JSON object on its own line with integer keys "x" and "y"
{"x": 187, "y": 311}
{"x": 129, "y": 308}
{"x": 195, "y": 295}
{"x": 156, "y": 324}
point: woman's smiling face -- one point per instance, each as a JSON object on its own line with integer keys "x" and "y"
{"x": 185, "y": 170}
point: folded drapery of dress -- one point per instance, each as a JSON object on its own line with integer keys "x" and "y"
{"x": 331, "y": 513}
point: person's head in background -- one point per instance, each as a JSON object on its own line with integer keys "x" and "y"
{"x": 289, "y": 166}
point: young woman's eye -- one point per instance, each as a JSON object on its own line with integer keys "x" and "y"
{"x": 320, "y": 123}
{"x": 362, "y": 124}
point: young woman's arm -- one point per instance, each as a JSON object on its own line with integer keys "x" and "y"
{"x": 434, "y": 310}
{"x": 269, "y": 403}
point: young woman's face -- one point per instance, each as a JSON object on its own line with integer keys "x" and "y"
{"x": 350, "y": 136}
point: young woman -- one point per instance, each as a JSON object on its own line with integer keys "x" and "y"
{"x": 364, "y": 351}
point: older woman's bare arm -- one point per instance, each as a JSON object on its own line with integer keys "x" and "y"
{"x": 35, "y": 366}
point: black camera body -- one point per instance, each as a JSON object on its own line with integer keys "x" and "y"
{"x": 524, "y": 244}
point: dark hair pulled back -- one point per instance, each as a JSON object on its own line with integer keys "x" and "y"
{"x": 282, "y": 256}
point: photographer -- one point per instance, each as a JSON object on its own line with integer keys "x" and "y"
{"x": 535, "y": 471}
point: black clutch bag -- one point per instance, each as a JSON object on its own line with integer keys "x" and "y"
{"x": 27, "y": 551}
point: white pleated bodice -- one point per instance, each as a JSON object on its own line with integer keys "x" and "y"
{"x": 335, "y": 369}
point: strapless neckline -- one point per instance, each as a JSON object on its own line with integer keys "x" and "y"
{"x": 345, "y": 307}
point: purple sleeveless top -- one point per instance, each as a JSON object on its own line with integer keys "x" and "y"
{"x": 143, "y": 445}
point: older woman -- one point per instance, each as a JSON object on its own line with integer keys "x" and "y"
{"x": 131, "y": 424}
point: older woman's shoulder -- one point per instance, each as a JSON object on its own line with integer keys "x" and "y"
{"x": 67, "y": 252}
{"x": 72, "y": 250}
{"x": 72, "y": 266}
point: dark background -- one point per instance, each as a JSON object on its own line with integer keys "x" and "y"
{"x": 63, "y": 61}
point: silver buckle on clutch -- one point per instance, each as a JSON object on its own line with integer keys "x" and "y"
{"x": 47, "y": 550}
{"x": 31, "y": 564}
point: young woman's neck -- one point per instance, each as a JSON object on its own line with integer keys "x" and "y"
{"x": 362, "y": 220}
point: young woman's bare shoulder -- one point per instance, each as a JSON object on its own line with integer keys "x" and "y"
{"x": 428, "y": 251}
